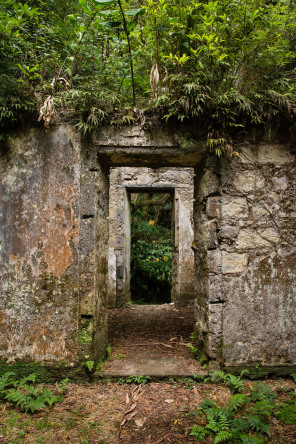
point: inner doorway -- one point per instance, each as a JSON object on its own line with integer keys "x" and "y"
{"x": 128, "y": 181}
{"x": 151, "y": 247}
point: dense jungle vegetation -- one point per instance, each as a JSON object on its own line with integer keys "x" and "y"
{"x": 228, "y": 63}
{"x": 151, "y": 247}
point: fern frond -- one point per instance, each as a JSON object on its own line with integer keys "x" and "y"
{"x": 223, "y": 436}
{"x": 237, "y": 401}
{"x": 258, "y": 425}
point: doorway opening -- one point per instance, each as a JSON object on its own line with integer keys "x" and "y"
{"x": 172, "y": 188}
{"x": 151, "y": 247}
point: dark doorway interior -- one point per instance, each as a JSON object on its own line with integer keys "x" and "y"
{"x": 151, "y": 247}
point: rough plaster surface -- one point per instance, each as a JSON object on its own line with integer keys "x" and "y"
{"x": 39, "y": 192}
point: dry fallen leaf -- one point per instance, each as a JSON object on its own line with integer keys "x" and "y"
{"x": 140, "y": 421}
{"x": 132, "y": 407}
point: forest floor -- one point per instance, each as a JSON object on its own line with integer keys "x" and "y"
{"x": 159, "y": 412}
{"x": 116, "y": 410}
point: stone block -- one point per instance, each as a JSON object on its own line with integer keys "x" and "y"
{"x": 212, "y": 233}
{"x": 269, "y": 234}
{"x": 233, "y": 262}
{"x": 214, "y": 257}
{"x": 228, "y": 233}
{"x": 87, "y": 305}
{"x": 215, "y": 289}
{"x": 215, "y": 329}
{"x": 275, "y": 154}
{"x": 234, "y": 207}
{"x": 213, "y": 208}
{"x": 249, "y": 181}
{"x": 209, "y": 184}
{"x": 280, "y": 183}
{"x": 250, "y": 238}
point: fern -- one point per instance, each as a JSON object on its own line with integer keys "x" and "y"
{"x": 237, "y": 401}
{"x": 246, "y": 439}
{"x": 263, "y": 408}
{"x": 6, "y": 380}
{"x": 262, "y": 392}
{"x": 198, "y": 432}
{"x": 223, "y": 436}
{"x": 257, "y": 424}
{"x": 25, "y": 395}
{"x": 220, "y": 375}
{"x": 234, "y": 382}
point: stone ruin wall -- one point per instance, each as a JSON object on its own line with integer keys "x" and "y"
{"x": 246, "y": 215}
{"x": 54, "y": 242}
{"x": 40, "y": 225}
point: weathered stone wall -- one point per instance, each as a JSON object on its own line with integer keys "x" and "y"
{"x": 245, "y": 216}
{"x": 54, "y": 242}
{"x": 180, "y": 182}
{"x": 258, "y": 256}
{"x": 93, "y": 245}
{"x": 39, "y": 192}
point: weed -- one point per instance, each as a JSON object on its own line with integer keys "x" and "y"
{"x": 134, "y": 379}
{"x": 88, "y": 363}
{"x": 85, "y": 332}
{"x": 108, "y": 351}
{"x": 119, "y": 357}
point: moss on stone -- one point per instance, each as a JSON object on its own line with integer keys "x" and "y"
{"x": 43, "y": 374}
{"x": 261, "y": 372}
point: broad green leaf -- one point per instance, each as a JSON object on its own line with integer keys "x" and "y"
{"x": 135, "y": 12}
{"x": 104, "y": 2}
{"x": 132, "y": 25}
{"x": 111, "y": 24}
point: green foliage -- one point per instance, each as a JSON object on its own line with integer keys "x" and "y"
{"x": 245, "y": 418}
{"x": 287, "y": 414}
{"x": 24, "y": 394}
{"x": 227, "y": 426}
{"x": 21, "y": 370}
{"x": 151, "y": 249}
{"x": 229, "y": 64}
{"x": 262, "y": 392}
{"x": 138, "y": 379}
{"x": 88, "y": 364}
{"x": 237, "y": 401}
{"x": 85, "y": 331}
{"x": 234, "y": 382}
{"x": 134, "y": 379}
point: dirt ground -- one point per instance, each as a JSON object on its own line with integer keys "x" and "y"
{"x": 164, "y": 412}
{"x": 151, "y": 340}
